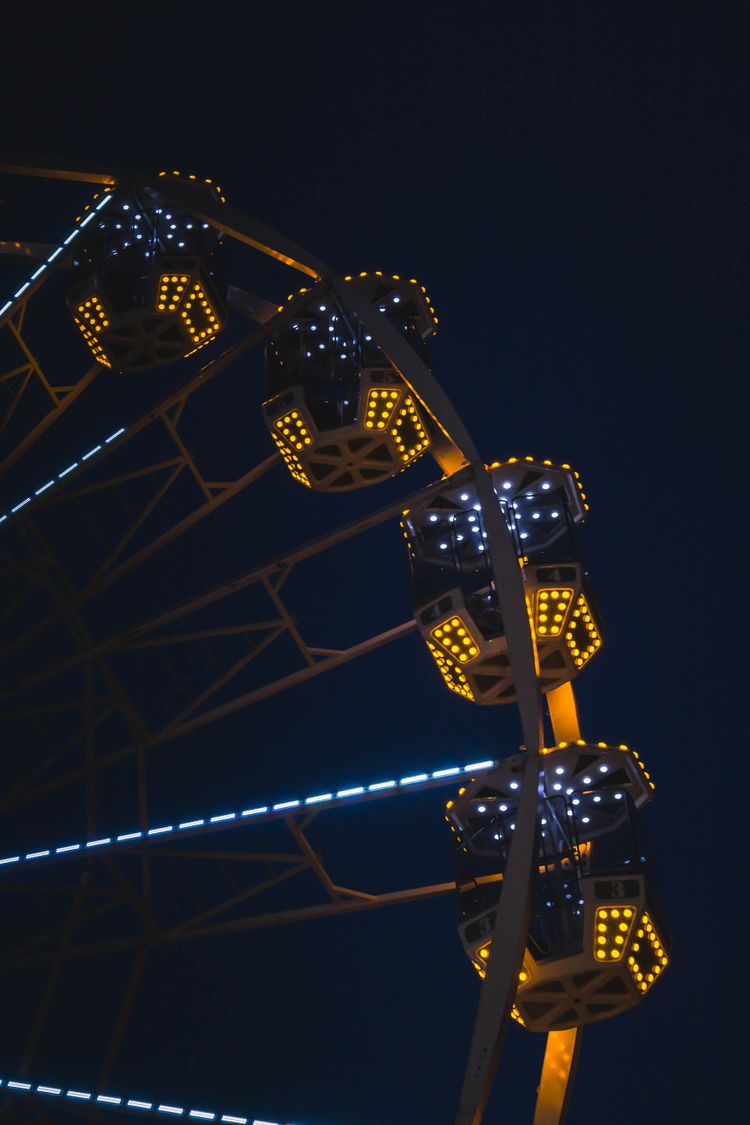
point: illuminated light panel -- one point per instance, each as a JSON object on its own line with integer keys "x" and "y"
{"x": 379, "y": 408}
{"x": 198, "y": 315}
{"x": 92, "y": 318}
{"x": 647, "y": 957}
{"x": 516, "y": 1015}
{"x": 293, "y": 429}
{"x": 582, "y": 636}
{"x": 612, "y": 928}
{"x": 451, "y": 672}
{"x": 456, "y": 638}
{"x": 290, "y": 433}
{"x": 408, "y": 433}
{"x": 292, "y": 462}
{"x": 171, "y": 291}
{"x": 552, "y": 608}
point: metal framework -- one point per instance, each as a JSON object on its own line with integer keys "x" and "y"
{"x": 152, "y": 479}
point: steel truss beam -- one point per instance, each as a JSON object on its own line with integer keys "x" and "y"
{"x": 151, "y": 633}
{"x": 165, "y": 417}
{"x": 24, "y": 375}
{"x": 268, "y": 870}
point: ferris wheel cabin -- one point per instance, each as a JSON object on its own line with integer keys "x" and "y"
{"x": 596, "y": 942}
{"x": 338, "y": 410}
{"x": 456, "y": 605}
{"x": 150, "y": 286}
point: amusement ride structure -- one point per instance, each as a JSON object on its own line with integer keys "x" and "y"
{"x": 557, "y": 912}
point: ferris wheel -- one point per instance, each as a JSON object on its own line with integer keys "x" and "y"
{"x": 557, "y": 912}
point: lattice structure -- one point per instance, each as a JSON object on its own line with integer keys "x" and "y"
{"x": 136, "y": 505}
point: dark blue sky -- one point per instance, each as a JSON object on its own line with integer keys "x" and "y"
{"x": 572, "y": 188}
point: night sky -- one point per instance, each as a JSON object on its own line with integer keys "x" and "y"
{"x": 571, "y": 188}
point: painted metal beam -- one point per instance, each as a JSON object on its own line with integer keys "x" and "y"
{"x": 453, "y": 448}
{"x": 352, "y": 905}
{"x": 563, "y": 1047}
{"x": 235, "y": 224}
{"x": 44, "y": 171}
{"x": 558, "y": 1074}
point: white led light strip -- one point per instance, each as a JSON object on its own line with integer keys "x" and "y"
{"x": 130, "y": 1103}
{"x": 261, "y": 812}
{"x": 65, "y": 472}
{"x": 8, "y": 306}
{"x": 55, "y": 254}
